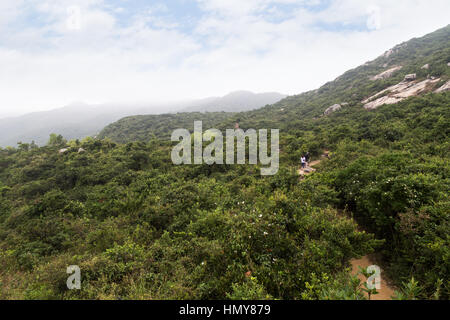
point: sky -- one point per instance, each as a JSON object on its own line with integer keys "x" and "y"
{"x": 55, "y": 52}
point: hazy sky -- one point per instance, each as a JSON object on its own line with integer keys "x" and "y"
{"x": 54, "y": 52}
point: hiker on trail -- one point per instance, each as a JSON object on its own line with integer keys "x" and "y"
{"x": 307, "y": 157}
{"x": 303, "y": 162}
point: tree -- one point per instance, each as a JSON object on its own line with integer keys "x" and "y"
{"x": 56, "y": 140}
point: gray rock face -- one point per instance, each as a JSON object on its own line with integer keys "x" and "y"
{"x": 427, "y": 66}
{"x": 410, "y": 77}
{"x": 332, "y": 109}
{"x": 388, "y": 53}
{"x": 386, "y": 74}
{"x": 394, "y": 50}
{"x": 399, "y": 92}
{"x": 445, "y": 87}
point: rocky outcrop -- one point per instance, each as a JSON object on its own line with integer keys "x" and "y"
{"x": 445, "y": 87}
{"x": 380, "y": 101}
{"x": 332, "y": 109}
{"x": 426, "y": 67}
{"x": 399, "y": 92}
{"x": 61, "y": 151}
{"x": 388, "y": 53}
{"x": 386, "y": 74}
{"x": 394, "y": 50}
{"x": 410, "y": 77}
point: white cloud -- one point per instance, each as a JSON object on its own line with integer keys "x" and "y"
{"x": 235, "y": 45}
{"x": 8, "y": 11}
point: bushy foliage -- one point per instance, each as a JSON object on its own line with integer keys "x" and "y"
{"x": 140, "y": 227}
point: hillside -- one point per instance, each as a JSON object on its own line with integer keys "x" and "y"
{"x": 144, "y": 127}
{"x": 147, "y": 127}
{"x": 141, "y": 227}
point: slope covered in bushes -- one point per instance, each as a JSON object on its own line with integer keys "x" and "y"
{"x": 140, "y": 227}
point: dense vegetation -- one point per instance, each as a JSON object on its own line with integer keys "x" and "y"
{"x": 148, "y": 127}
{"x": 140, "y": 227}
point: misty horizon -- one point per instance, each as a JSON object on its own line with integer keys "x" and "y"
{"x": 157, "y": 107}
{"x": 78, "y": 120}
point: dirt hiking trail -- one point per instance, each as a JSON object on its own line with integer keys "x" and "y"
{"x": 386, "y": 291}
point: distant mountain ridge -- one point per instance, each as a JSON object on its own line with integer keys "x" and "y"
{"x": 79, "y": 119}
{"x": 236, "y": 101}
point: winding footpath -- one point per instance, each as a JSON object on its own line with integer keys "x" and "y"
{"x": 386, "y": 291}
